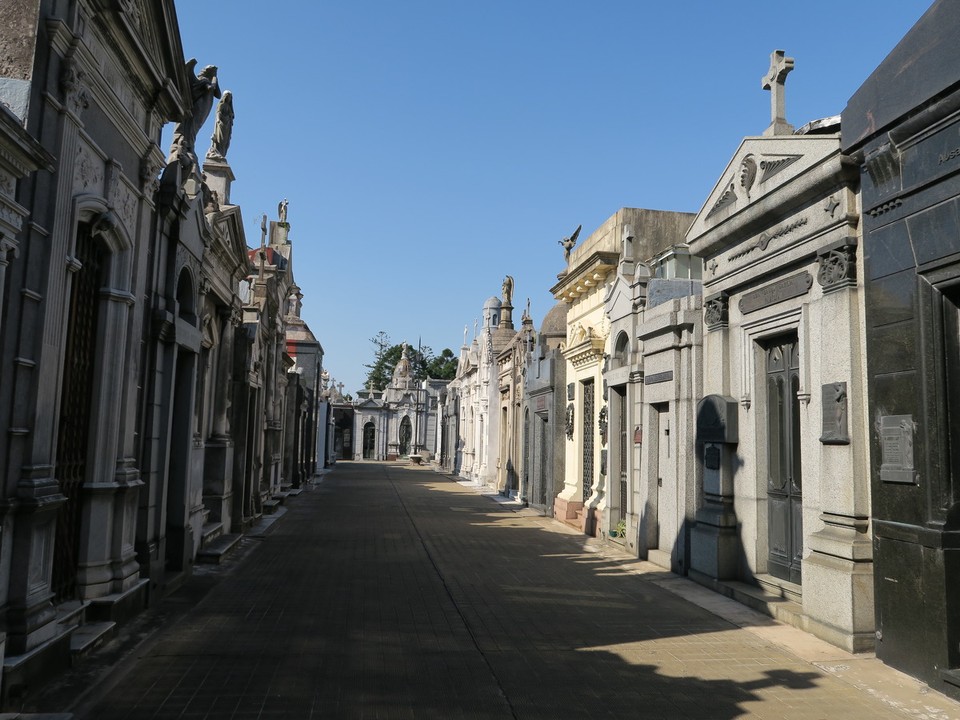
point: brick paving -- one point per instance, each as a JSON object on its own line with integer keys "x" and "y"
{"x": 390, "y": 591}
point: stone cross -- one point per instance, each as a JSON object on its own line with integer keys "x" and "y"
{"x": 263, "y": 244}
{"x": 774, "y": 81}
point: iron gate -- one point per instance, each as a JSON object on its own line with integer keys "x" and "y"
{"x": 76, "y": 399}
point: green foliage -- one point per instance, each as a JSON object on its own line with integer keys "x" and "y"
{"x": 423, "y": 363}
{"x": 443, "y": 367}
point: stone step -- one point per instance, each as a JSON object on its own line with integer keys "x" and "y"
{"x": 72, "y": 613}
{"x": 214, "y": 553}
{"x": 210, "y": 532}
{"x": 89, "y": 637}
{"x": 270, "y": 506}
{"x": 763, "y": 600}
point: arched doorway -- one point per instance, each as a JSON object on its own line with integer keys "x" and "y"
{"x": 369, "y": 440}
{"x": 405, "y": 435}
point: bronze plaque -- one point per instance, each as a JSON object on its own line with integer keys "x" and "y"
{"x": 790, "y": 287}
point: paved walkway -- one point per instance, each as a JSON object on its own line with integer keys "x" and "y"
{"x": 390, "y": 591}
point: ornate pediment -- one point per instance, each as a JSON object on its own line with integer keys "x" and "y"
{"x": 766, "y": 177}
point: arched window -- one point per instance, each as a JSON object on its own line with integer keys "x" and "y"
{"x": 621, "y": 351}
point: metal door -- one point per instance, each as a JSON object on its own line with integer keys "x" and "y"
{"x": 369, "y": 440}
{"x": 784, "y": 483}
{"x": 588, "y": 430}
{"x": 76, "y": 398}
{"x": 620, "y": 410}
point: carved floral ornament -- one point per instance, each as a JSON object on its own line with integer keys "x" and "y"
{"x": 838, "y": 266}
{"x": 569, "y": 422}
{"x": 603, "y": 425}
{"x": 716, "y": 311}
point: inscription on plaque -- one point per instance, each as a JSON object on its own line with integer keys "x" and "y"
{"x": 790, "y": 287}
{"x": 542, "y": 403}
{"x": 896, "y": 449}
{"x": 659, "y": 377}
{"x": 571, "y": 390}
{"x": 834, "y": 400}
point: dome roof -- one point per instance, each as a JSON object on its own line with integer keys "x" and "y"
{"x": 555, "y": 322}
{"x": 493, "y": 302}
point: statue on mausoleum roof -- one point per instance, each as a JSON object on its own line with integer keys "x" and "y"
{"x": 204, "y": 87}
{"x": 223, "y": 130}
{"x": 569, "y": 242}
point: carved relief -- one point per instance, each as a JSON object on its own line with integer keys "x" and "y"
{"x": 766, "y": 238}
{"x": 883, "y": 164}
{"x": 838, "y": 266}
{"x": 748, "y": 173}
{"x": 72, "y": 86}
{"x": 88, "y": 171}
{"x": 729, "y": 197}
{"x": 150, "y": 168}
{"x": 834, "y": 401}
{"x": 7, "y": 184}
{"x": 569, "y": 422}
{"x": 602, "y": 425}
{"x": 134, "y": 13}
{"x": 773, "y": 165}
{"x": 716, "y": 311}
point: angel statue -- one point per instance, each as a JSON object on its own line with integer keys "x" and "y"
{"x": 282, "y": 210}
{"x": 569, "y": 242}
{"x": 507, "y": 290}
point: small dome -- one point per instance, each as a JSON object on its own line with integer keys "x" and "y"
{"x": 555, "y": 322}
{"x": 492, "y": 303}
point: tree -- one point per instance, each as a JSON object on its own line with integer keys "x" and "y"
{"x": 378, "y": 375}
{"x": 423, "y": 363}
{"x": 443, "y": 367}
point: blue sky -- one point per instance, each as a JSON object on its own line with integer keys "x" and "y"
{"x": 428, "y": 148}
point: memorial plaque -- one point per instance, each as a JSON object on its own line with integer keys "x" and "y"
{"x": 834, "y": 401}
{"x": 896, "y": 449}
{"x": 790, "y": 287}
{"x": 638, "y": 435}
{"x": 571, "y": 391}
{"x": 711, "y": 457}
{"x": 542, "y": 402}
{"x": 659, "y": 377}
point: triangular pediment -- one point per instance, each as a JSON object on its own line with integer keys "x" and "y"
{"x": 764, "y": 175}
{"x": 369, "y": 404}
{"x": 619, "y": 300}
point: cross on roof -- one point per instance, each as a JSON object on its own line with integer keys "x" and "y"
{"x": 774, "y": 81}
{"x": 263, "y": 244}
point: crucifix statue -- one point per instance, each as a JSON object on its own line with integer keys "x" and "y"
{"x": 774, "y": 81}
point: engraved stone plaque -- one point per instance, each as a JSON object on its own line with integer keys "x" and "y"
{"x": 834, "y": 402}
{"x": 896, "y": 449}
{"x": 659, "y": 377}
{"x": 571, "y": 390}
{"x": 790, "y": 287}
